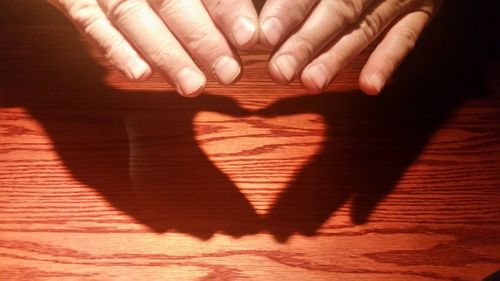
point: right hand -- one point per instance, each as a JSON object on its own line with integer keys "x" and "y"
{"x": 315, "y": 39}
{"x": 184, "y": 40}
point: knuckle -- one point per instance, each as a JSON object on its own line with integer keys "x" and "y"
{"x": 161, "y": 55}
{"x": 301, "y": 9}
{"x": 371, "y": 25}
{"x": 164, "y": 5}
{"x": 400, "y": 4}
{"x": 349, "y": 10}
{"x": 337, "y": 58}
{"x": 220, "y": 8}
{"x": 83, "y": 13}
{"x": 409, "y": 35}
{"x": 200, "y": 33}
{"x": 304, "y": 46}
{"x": 115, "y": 49}
{"x": 204, "y": 38}
{"x": 122, "y": 10}
{"x": 291, "y": 12}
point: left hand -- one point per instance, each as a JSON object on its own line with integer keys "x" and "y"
{"x": 315, "y": 39}
{"x": 184, "y": 40}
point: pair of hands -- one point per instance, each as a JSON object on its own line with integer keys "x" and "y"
{"x": 188, "y": 40}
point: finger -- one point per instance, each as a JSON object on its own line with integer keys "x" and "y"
{"x": 279, "y": 18}
{"x": 393, "y": 49}
{"x": 318, "y": 74}
{"x": 150, "y": 35}
{"x": 324, "y": 23}
{"x": 193, "y": 27}
{"x": 237, "y": 20}
{"x": 93, "y": 24}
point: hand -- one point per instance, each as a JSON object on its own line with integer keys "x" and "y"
{"x": 178, "y": 38}
{"x": 315, "y": 39}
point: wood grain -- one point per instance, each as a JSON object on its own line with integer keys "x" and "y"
{"x": 103, "y": 179}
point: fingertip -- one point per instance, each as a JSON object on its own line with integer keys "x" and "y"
{"x": 275, "y": 73}
{"x": 138, "y": 70}
{"x": 245, "y": 33}
{"x": 312, "y": 89}
{"x": 227, "y": 70}
{"x": 391, "y": 51}
{"x": 283, "y": 68}
{"x": 190, "y": 83}
{"x": 373, "y": 84}
{"x": 315, "y": 78}
{"x": 262, "y": 42}
{"x": 271, "y": 32}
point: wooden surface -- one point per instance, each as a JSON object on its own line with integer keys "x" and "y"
{"x": 103, "y": 179}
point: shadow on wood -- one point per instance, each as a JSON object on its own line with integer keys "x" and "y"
{"x": 138, "y": 149}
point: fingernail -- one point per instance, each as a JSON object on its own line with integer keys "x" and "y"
{"x": 243, "y": 31}
{"x": 377, "y": 80}
{"x": 287, "y": 66}
{"x": 272, "y": 29}
{"x": 318, "y": 75}
{"x": 227, "y": 69}
{"x": 190, "y": 82}
{"x": 137, "y": 69}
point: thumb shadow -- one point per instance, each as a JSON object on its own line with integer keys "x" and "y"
{"x": 176, "y": 186}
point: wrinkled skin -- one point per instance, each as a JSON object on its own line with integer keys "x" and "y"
{"x": 188, "y": 40}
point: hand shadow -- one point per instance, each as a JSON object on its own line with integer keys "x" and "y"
{"x": 138, "y": 149}
{"x": 371, "y": 142}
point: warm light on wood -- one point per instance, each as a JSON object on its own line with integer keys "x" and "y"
{"x": 260, "y": 155}
{"x": 104, "y": 179}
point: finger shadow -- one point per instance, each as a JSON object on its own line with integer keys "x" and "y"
{"x": 370, "y": 143}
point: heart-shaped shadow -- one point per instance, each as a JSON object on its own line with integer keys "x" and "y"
{"x": 166, "y": 182}
{"x": 260, "y": 154}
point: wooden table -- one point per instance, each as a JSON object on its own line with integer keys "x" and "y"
{"x": 103, "y": 179}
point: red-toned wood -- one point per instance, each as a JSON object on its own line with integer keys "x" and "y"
{"x": 103, "y": 179}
